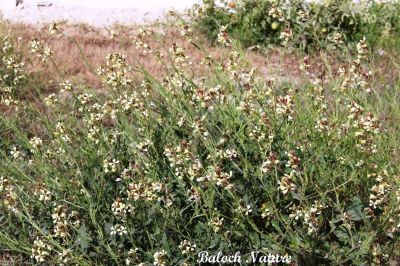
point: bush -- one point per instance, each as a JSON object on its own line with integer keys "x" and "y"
{"x": 155, "y": 171}
{"x": 308, "y": 23}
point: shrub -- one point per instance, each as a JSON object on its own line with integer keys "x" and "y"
{"x": 305, "y": 23}
{"x": 154, "y": 171}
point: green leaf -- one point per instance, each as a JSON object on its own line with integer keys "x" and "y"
{"x": 82, "y": 239}
{"x": 355, "y": 210}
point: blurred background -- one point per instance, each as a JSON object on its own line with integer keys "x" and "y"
{"x": 94, "y": 12}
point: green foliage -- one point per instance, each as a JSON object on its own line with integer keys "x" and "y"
{"x": 310, "y": 23}
{"x": 157, "y": 170}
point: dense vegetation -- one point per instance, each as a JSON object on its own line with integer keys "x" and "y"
{"x": 301, "y": 23}
{"x": 212, "y": 156}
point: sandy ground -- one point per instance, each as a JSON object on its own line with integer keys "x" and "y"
{"x": 94, "y": 12}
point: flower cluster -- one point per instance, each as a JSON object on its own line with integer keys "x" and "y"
{"x": 366, "y": 127}
{"x": 63, "y": 220}
{"x": 379, "y": 195}
{"x": 40, "y": 250}
{"x": 141, "y": 42}
{"x": 187, "y": 247}
{"x": 181, "y": 60}
{"x": 181, "y": 158}
{"x": 223, "y": 37}
{"x": 36, "y": 143}
{"x": 110, "y": 166}
{"x": 310, "y": 216}
{"x": 285, "y": 106}
{"x": 145, "y": 191}
{"x": 13, "y": 73}
{"x": 115, "y": 72}
{"x": 43, "y": 52}
{"x": 8, "y": 195}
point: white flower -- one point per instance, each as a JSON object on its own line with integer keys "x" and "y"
{"x": 187, "y": 247}
{"x": 119, "y": 230}
{"x": 51, "y": 99}
{"x": 223, "y": 37}
{"x": 40, "y": 250}
{"x": 66, "y": 86}
{"x": 15, "y": 153}
{"x": 159, "y": 258}
{"x": 36, "y": 143}
{"x": 110, "y": 166}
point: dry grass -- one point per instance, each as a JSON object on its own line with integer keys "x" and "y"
{"x": 7, "y": 259}
{"x": 97, "y": 43}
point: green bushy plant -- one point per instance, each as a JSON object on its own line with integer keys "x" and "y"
{"x": 308, "y": 23}
{"x": 381, "y": 24}
{"x": 153, "y": 171}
